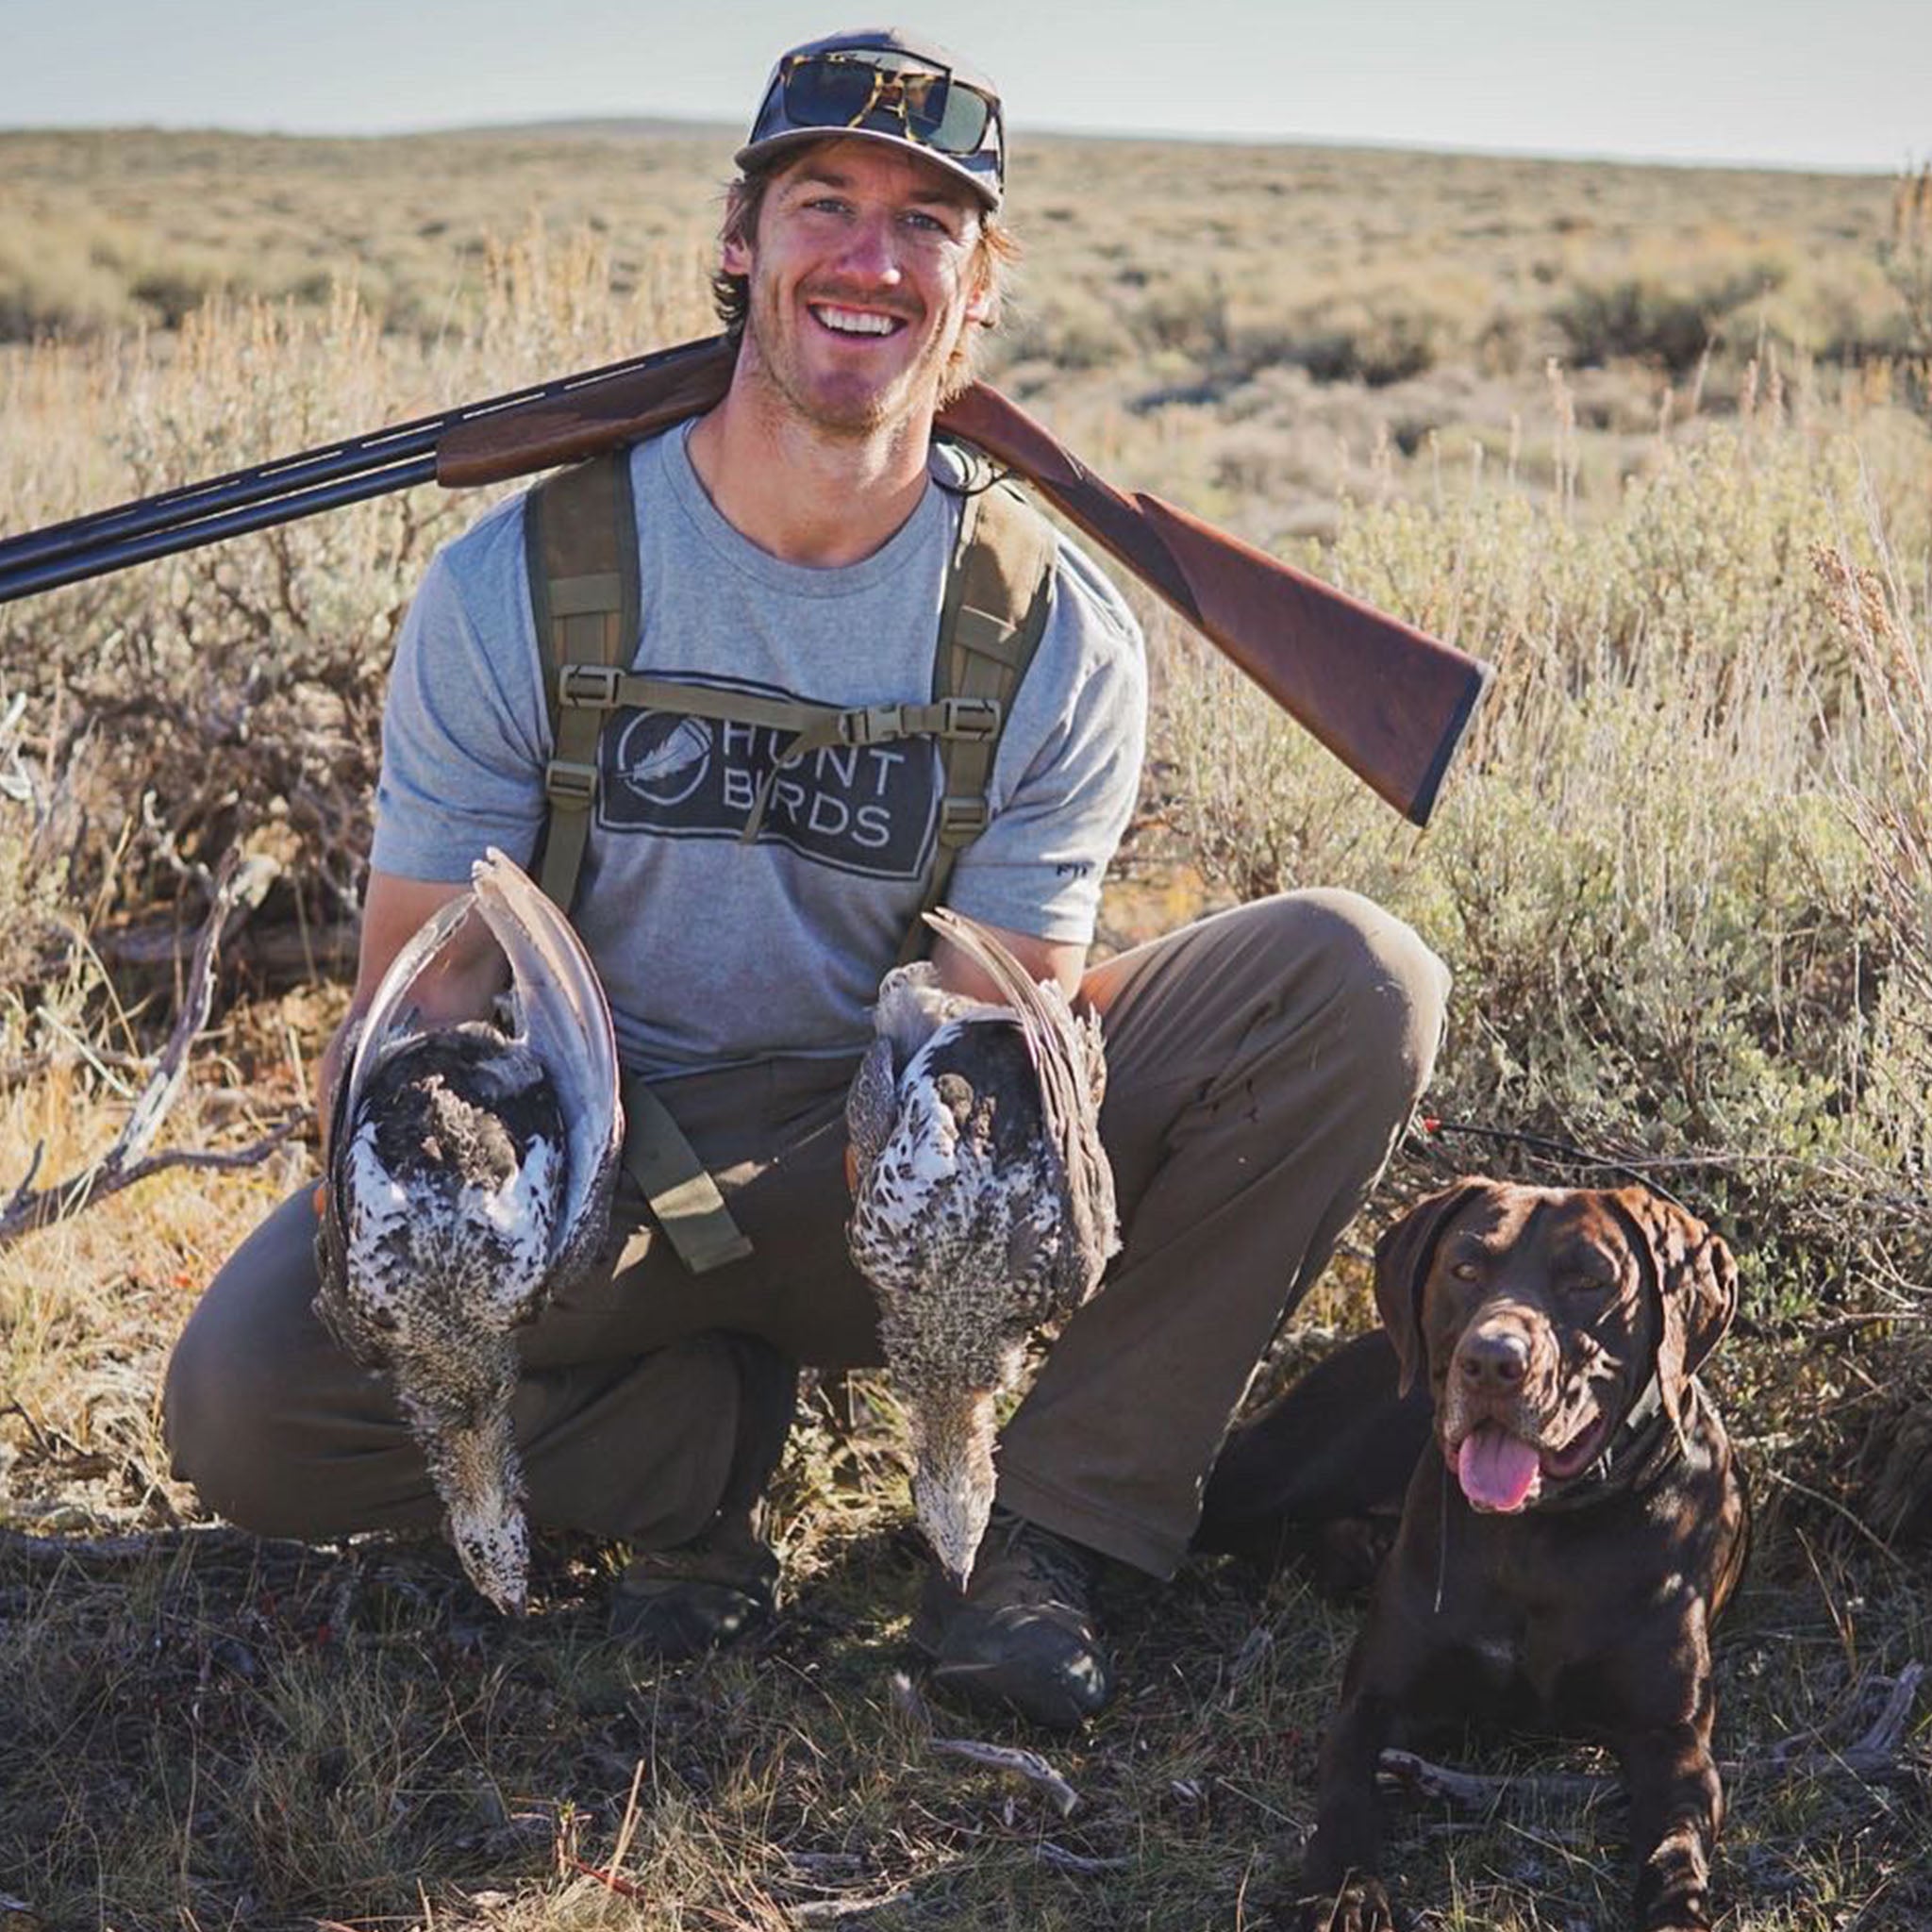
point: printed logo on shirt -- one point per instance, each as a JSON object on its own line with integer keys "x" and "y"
{"x": 861, "y": 808}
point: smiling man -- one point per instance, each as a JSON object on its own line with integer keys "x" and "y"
{"x": 743, "y": 877}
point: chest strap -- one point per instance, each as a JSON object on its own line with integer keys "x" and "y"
{"x": 601, "y": 687}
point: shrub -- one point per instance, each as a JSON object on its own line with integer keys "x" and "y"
{"x": 1670, "y": 938}
{"x": 232, "y": 694}
{"x": 1669, "y": 322}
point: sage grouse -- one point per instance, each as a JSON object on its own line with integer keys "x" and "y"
{"x": 983, "y": 1207}
{"x": 469, "y": 1174}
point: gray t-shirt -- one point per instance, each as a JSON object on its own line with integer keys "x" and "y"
{"x": 713, "y": 951}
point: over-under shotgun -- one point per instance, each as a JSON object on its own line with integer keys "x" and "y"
{"x": 1390, "y": 701}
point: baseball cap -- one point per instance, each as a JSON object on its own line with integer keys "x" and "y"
{"x": 884, "y": 84}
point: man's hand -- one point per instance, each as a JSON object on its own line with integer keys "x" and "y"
{"x": 1042, "y": 959}
{"x": 466, "y": 977}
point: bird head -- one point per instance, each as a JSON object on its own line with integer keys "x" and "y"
{"x": 471, "y": 1453}
{"x": 953, "y": 1479}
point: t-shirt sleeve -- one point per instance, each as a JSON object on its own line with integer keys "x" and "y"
{"x": 1068, "y": 771}
{"x": 464, "y": 733}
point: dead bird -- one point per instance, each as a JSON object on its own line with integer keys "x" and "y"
{"x": 983, "y": 1205}
{"x": 470, "y": 1169}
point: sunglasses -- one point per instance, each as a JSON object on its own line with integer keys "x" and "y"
{"x": 851, "y": 89}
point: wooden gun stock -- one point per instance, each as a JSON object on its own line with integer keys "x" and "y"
{"x": 1390, "y": 701}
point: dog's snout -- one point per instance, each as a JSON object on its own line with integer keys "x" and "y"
{"x": 1494, "y": 1358}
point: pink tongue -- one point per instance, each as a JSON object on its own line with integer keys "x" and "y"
{"x": 1497, "y": 1470}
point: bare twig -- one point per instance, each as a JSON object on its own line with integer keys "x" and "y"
{"x": 26, "y": 1547}
{"x": 1479, "y": 1790}
{"x": 1027, "y": 1764}
{"x": 127, "y": 1161}
{"x": 1063, "y": 1860}
{"x": 822, "y": 1910}
{"x": 1837, "y": 1508}
{"x": 1871, "y": 1758}
{"x": 27, "y": 1212}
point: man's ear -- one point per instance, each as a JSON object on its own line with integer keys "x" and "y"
{"x": 982, "y": 306}
{"x": 734, "y": 255}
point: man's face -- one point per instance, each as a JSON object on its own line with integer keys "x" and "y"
{"x": 864, "y": 275}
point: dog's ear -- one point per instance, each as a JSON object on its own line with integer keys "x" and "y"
{"x": 1402, "y": 1264}
{"x": 1694, "y": 1281}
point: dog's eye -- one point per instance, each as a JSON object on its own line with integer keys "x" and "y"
{"x": 1587, "y": 1284}
{"x": 1464, "y": 1271}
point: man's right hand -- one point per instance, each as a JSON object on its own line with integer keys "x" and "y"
{"x": 461, "y": 984}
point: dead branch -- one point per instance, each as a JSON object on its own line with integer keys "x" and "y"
{"x": 276, "y": 951}
{"x": 1027, "y": 1764}
{"x": 1063, "y": 1860}
{"x": 1871, "y": 1758}
{"x": 216, "y": 1538}
{"x": 1874, "y": 1757}
{"x": 1479, "y": 1790}
{"x": 815, "y": 1911}
{"x": 126, "y": 1161}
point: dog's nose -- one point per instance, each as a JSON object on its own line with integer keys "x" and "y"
{"x": 1494, "y": 1358}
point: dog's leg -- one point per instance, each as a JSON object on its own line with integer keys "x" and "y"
{"x": 1340, "y": 1888}
{"x": 1677, "y": 1807}
{"x": 1323, "y": 1466}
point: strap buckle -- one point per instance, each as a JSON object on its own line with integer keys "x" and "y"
{"x": 570, "y": 783}
{"x": 593, "y": 685}
{"x": 975, "y": 720}
{"x": 875, "y": 725}
{"x": 961, "y": 818}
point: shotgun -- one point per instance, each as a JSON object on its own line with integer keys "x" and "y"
{"x": 1391, "y": 702}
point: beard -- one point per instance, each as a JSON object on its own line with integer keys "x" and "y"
{"x": 854, "y": 405}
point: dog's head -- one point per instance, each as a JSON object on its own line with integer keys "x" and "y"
{"x": 1542, "y": 1316}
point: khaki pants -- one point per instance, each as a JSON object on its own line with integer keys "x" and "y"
{"x": 1261, "y": 1065}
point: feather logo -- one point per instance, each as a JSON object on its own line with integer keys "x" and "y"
{"x": 663, "y": 757}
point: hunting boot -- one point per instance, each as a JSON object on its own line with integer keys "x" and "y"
{"x": 724, "y": 1584}
{"x": 1024, "y": 1635}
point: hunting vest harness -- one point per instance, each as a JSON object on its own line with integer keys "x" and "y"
{"x": 581, "y": 556}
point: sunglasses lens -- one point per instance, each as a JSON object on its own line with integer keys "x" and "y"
{"x": 829, "y": 92}
{"x": 945, "y": 116}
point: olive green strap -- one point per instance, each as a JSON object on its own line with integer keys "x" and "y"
{"x": 998, "y": 596}
{"x": 581, "y": 560}
{"x": 585, "y": 690}
{"x": 685, "y": 1201}
{"x": 597, "y": 687}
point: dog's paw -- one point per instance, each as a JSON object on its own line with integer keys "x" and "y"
{"x": 1360, "y": 1906}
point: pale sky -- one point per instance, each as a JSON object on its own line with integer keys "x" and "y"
{"x": 1807, "y": 83}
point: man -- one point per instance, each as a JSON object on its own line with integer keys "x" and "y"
{"x": 794, "y": 544}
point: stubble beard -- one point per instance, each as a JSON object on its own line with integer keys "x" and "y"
{"x": 854, "y": 417}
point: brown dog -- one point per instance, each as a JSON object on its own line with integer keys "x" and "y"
{"x": 1563, "y": 1550}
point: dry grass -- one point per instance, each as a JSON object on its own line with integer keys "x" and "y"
{"x": 1685, "y": 879}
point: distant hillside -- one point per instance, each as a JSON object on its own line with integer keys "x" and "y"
{"x": 602, "y": 128}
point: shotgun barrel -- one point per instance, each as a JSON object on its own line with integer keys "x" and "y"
{"x": 277, "y": 491}
{"x": 1392, "y": 703}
